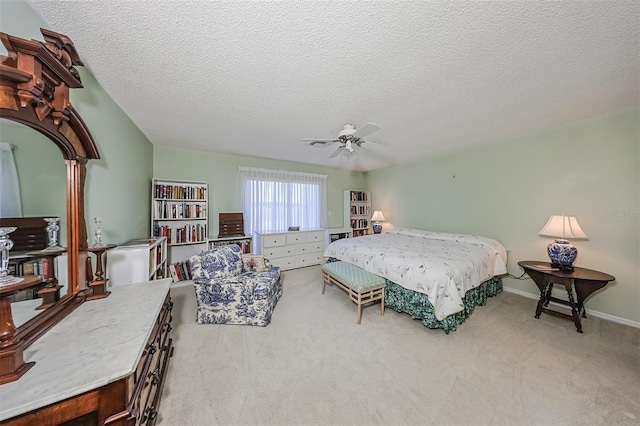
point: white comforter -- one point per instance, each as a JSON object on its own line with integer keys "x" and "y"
{"x": 443, "y": 266}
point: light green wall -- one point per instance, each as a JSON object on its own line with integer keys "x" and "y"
{"x": 118, "y": 184}
{"x": 220, "y": 171}
{"x": 508, "y": 189}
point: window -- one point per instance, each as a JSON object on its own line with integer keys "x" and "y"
{"x": 9, "y": 189}
{"x": 274, "y": 200}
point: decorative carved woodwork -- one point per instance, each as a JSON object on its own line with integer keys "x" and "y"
{"x": 35, "y": 78}
{"x": 98, "y": 283}
{"x": 12, "y": 364}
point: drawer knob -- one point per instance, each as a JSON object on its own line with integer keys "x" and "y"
{"x": 150, "y": 413}
{"x": 154, "y": 377}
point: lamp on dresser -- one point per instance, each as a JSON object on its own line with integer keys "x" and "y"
{"x": 377, "y": 218}
{"x": 561, "y": 252}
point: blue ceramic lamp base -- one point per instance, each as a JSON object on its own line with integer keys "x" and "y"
{"x": 562, "y": 254}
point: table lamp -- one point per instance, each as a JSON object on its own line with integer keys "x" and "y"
{"x": 377, "y": 218}
{"x": 561, "y": 252}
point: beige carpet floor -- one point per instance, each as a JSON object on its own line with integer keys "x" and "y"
{"x": 313, "y": 365}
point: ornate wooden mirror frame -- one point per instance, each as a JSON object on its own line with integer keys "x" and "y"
{"x": 35, "y": 78}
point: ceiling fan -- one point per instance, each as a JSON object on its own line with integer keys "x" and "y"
{"x": 349, "y": 139}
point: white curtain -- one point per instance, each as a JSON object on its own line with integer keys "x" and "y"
{"x": 9, "y": 188}
{"x": 274, "y": 200}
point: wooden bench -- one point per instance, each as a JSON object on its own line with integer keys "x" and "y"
{"x": 362, "y": 286}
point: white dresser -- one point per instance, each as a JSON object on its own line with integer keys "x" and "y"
{"x": 294, "y": 249}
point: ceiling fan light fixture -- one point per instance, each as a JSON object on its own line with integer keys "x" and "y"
{"x": 347, "y": 130}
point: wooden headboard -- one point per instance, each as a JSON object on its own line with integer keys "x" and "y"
{"x": 31, "y": 234}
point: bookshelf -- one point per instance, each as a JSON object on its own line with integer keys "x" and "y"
{"x": 245, "y": 243}
{"x": 335, "y": 234}
{"x": 138, "y": 260}
{"x": 357, "y": 212}
{"x": 179, "y": 212}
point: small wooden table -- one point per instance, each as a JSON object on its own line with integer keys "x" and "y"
{"x": 585, "y": 282}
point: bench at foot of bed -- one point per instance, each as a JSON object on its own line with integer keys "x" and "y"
{"x": 362, "y": 286}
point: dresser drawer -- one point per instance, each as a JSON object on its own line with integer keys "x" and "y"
{"x": 144, "y": 386}
{"x": 296, "y": 238}
{"x": 306, "y": 248}
{"x": 272, "y": 253}
{"x": 309, "y": 259}
{"x": 315, "y": 237}
{"x": 289, "y": 262}
{"x": 274, "y": 240}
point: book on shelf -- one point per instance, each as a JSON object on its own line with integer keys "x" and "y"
{"x": 32, "y": 267}
{"x": 243, "y": 241}
{"x": 180, "y": 271}
{"x": 179, "y": 210}
{"x": 190, "y": 233}
{"x": 179, "y": 192}
{"x": 359, "y": 196}
{"x": 359, "y": 223}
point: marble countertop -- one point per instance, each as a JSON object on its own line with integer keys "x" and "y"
{"x": 98, "y": 343}
{"x": 24, "y": 310}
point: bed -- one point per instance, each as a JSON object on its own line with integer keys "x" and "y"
{"x": 435, "y": 277}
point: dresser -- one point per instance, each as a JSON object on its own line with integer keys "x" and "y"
{"x": 290, "y": 250}
{"x": 122, "y": 345}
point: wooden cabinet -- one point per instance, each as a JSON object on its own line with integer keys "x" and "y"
{"x": 137, "y": 261}
{"x": 357, "y": 212}
{"x": 179, "y": 212}
{"x": 290, "y": 250}
{"x": 119, "y": 367}
{"x": 144, "y": 386}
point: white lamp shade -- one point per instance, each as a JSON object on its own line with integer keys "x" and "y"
{"x": 378, "y": 216}
{"x": 563, "y": 227}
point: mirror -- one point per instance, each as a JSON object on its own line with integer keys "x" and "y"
{"x": 34, "y": 90}
{"x": 41, "y": 173}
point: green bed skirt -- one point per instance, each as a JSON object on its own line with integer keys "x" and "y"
{"x": 418, "y": 306}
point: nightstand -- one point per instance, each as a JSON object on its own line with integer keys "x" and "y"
{"x": 584, "y": 281}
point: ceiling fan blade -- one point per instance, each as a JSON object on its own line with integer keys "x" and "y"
{"x": 318, "y": 143}
{"x": 365, "y": 130}
{"x": 375, "y": 146}
{"x": 337, "y": 152}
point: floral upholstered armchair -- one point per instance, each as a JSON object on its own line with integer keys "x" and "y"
{"x": 232, "y": 288}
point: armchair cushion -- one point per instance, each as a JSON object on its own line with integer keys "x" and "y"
{"x": 219, "y": 262}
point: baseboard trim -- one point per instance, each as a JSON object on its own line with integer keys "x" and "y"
{"x": 597, "y": 314}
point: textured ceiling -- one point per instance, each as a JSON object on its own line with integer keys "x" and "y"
{"x": 254, "y": 78}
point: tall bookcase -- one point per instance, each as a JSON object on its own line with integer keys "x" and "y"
{"x": 179, "y": 212}
{"x": 357, "y": 212}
